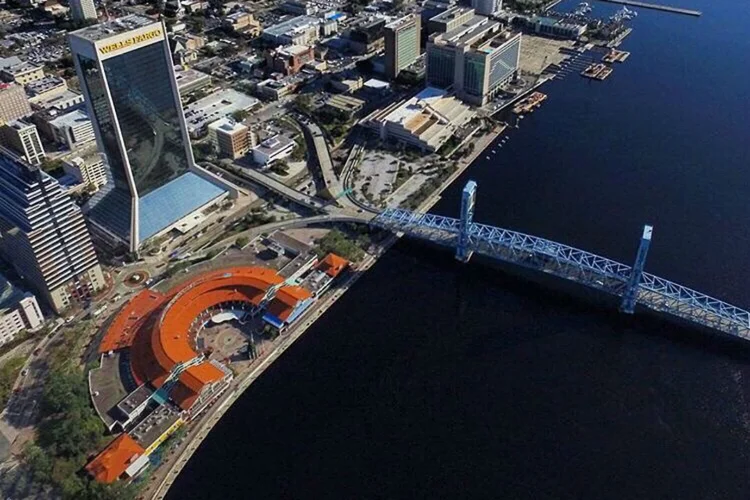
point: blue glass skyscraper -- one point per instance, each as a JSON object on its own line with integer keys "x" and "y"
{"x": 126, "y": 74}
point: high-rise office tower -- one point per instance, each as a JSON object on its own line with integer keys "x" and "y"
{"x": 23, "y": 139}
{"x": 43, "y": 235}
{"x": 474, "y": 59}
{"x": 487, "y": 7}
{"x": 126, "y": 74}
{"x": 402, "y": 45}
{"x": 82, "y": 10}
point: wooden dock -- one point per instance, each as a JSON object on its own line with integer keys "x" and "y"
{"x": 656, "y": 6}
{"x": 597, "y": 71}
{"x": 615, "y": 56}
{"x": 528, "y": 104}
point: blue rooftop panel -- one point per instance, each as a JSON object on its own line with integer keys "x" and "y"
{"x": 171, "y": 202}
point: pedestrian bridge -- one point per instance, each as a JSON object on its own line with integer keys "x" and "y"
{"x": 631, "y": 283}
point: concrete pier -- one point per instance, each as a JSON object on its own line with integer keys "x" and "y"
{"x": 655, "y": 6}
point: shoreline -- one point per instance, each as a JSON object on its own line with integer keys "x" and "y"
{"x": 210, "y": 418}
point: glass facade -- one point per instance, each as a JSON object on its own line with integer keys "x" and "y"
{"x": 408, "y": 47}
{"x": 111, "y": 206}
{"x": 503, "y": 63}
{"x": 140, "y": 85}
{"x": 474, "y": 75}
{"x": 440, "y": 66}
{"x": 99, "y": 103}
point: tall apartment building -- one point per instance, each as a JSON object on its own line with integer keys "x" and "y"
{"x": 13, "y": 102}
{"x": 74, "y": 129}
{"x": 23, "y": 139}
{"x": 474, "y": 60}
{"x": 87, "y": 171}
{"x": 44, "y": 237}
{"x": 83, "y": 10}
{"x": 487, "y": 7}
{"x": 402, "y": 45}
{"x": 233, "y": 140}
{"x": 19, "y": 311}
{"x": 126, "y": 74}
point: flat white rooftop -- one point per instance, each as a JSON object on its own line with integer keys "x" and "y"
{"x": 104, "y": 30}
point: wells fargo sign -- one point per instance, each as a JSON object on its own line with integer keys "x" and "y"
{"x": 134, "y": 40}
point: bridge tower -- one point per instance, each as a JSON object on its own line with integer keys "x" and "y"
{"x": 630, "y": 296}
{"x": 468, "y": 200}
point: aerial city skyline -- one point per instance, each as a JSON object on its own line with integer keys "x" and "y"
{"x": 188, "y": 187}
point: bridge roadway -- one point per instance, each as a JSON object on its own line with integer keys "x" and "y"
{"x": 268, "y": 182}
{"x": 333, "y": 187}
{"x": 572, "y": 264}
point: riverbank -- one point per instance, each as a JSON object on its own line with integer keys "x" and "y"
{"x": 197, "y": 434}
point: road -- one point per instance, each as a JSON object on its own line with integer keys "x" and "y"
{"x": 268, "y": 182}
{"x": 313, "y": 133}
{"x": 22, "y": 411}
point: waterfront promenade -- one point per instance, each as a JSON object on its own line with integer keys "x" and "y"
{"x": 165, "y": 476}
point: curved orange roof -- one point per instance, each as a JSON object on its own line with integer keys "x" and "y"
{"x": 157, "y": 326}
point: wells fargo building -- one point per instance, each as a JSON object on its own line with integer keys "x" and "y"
{"x": 127, "y": 77}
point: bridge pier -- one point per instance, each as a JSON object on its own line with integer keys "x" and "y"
{"x": 468, "y": 200}
{"x": 630, "y": 296}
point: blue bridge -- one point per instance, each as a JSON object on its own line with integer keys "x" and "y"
{"x": 631, "y": 283}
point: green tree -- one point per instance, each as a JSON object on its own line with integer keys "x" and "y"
{"x": 280, "y": 167}
{"x": 239, "y": 115}
{"x": 241, "y": 241}
{"x": 52, "y": 166}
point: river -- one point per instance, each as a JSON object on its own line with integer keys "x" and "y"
{"x": 433, "y": 379}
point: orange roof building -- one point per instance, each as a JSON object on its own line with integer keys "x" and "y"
{"x": 287, "y": 304}
{"x": 193, "y": 381}
{"x": 159, "y": 328}
{"x": 333, "y": 265}
{"x": 113, "y": 460}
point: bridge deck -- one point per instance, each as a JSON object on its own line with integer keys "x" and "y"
{"x": 575, "y": 265}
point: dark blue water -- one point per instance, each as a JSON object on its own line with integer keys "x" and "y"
{"x": 432, "y": 379}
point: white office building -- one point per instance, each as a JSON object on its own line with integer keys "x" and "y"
{"x": 19, "y": 311}
{"x": 83, "y": 10}
{"x": 74, "y": 129}
{"x": 487, "y": 7}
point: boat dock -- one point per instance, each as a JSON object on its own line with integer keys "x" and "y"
{"x": 656, "y": 6}
{"x": 528, "y": 104}
{"x": 597, "y": 71}
{"x": 615, "y": 56}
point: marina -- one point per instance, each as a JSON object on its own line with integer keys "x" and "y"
{"x": 597, "y": 71}
{"x": 615, "y": 56}
{"x": 530, "y": 103}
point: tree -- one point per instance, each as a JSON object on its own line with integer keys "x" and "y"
{"x": 51, "y": 166}
{"x": 280, "y": 167}
{"x": 203, "y": 151}
{"x": 304, "y": 102}
{"x": 242, "y": 241}
{"x": 239, "y": 115}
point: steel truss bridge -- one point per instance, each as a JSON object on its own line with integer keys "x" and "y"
{"x": 631, "y": 283}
